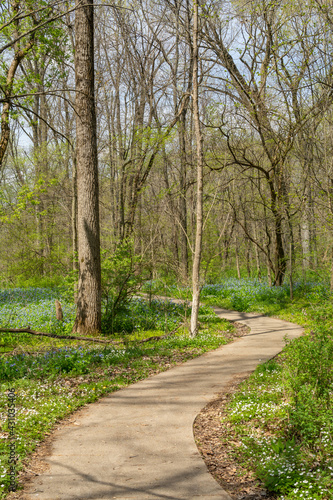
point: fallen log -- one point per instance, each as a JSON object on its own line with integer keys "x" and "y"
{"x": 87, "y": 339}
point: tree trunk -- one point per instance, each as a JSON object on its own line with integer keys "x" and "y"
{"x": 279, "y": 257}
{"x": 305, "y": 234}
{"x": 19, "y": 55}
{"x": 199, "y": 206}
{"x": 269, "y": 274}
{"x": 291, "y": 283}
{"x": 280, "y": 263}
{"x": 182, "y": 200}
{"x": 237, "y": 259}
{"x": 74, "y": 225}
{"x": 256, "y": 252}
{"x": 88, "y": 315}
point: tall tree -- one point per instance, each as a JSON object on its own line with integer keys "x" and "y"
{"x": 200, "y": 161}
{"x": 22, "y": 46}
{"x": 88, "y": 316}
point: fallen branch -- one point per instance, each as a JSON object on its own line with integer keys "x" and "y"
{"x": 53, "y": 335}
{"x": 87, "y": 339}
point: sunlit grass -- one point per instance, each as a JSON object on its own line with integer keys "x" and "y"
{"x": 287, "y": 465}
{"x": 282, "y": 416}
{"x": 52, "y": 378}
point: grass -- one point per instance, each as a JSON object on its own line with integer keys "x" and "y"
{"x": 34, "y": 307}
{"x": 52, "y": 378}
{"x": 282, "y": 415}
{"x": 288, "y": 465}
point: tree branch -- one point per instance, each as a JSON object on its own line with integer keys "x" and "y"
{"x": 87, "y": 339}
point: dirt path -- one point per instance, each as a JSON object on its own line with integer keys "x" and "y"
{"x": 138, "y": 443}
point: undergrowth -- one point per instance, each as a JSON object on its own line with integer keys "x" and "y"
{"x": 52, "y": 378}
{"x": 282, "y": 414}
{"x": 34, "y": 308}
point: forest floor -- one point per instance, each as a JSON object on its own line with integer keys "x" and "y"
{"x": 217, "y": 449}
{"x": 208, "y": 430}
{"x": 136, "y": 427}
{"x": 245, "y": 428}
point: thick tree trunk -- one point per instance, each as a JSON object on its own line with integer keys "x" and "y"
{"x": 88, "y": 316}
{"x": 199, "y": 205}
{"x": 74, "y": 225}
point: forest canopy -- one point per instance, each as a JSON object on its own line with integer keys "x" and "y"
{"x": 264, "y": 78}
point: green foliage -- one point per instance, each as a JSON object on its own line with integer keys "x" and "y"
{"x": 269, "y": 444}
{"x": 22, "y": 281}
{"x": 284, "y": 411}
{"x": 51, "y": 382}
{"x": 50, "y": 43}
{"x": 283, "y": 471}
{"x": 263, "y": 403}
{"x": 121, "y": 279}
{"x": 308, "y": 375}
{"x": 165, "y": 288}
{"x": 26, "y": 200}
{"x": 140, "y": 315}
{"x": 74, "y": 361}
{"x": 39, "y": 254}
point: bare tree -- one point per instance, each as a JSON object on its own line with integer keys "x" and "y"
{"x": 200, "y": 163}
{"x": 262, "y": 80}
{"x": 22, "y": 46}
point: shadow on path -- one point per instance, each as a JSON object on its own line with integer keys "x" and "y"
{"x": 138, "y": 443}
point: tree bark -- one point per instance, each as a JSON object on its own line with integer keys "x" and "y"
{"x": 199, "y": 206}
{"x": 88, "y": 315}
{"x": 305, "y": 235}
{"x": 19, "y": 55}
{"x": 256, "y": 252}
{"x": 74, "y": 225}
{"x": 182, "y": 200}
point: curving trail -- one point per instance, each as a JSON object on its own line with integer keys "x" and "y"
{"x": 138, "y": 443}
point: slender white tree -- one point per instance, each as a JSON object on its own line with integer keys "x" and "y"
{"x": 199, "y": 159}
